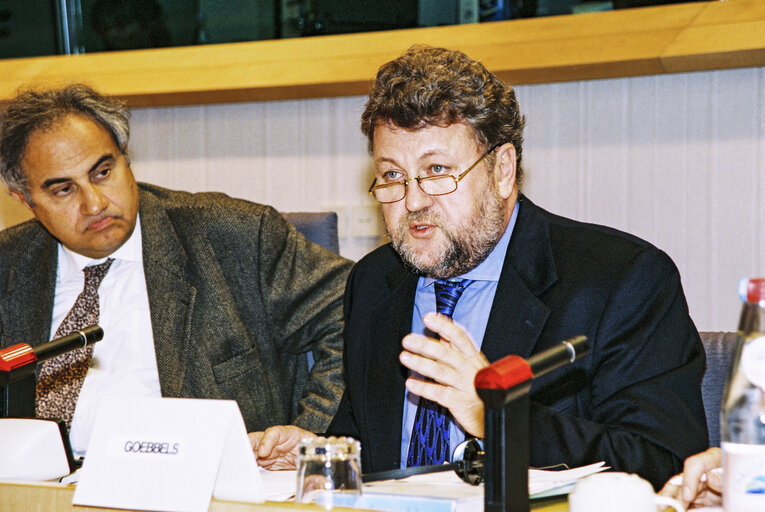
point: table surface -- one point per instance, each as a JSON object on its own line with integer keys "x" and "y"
{"x": 54, "y": 497}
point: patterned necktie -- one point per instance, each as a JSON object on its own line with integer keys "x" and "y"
{"x": 61, "y": 377}
{"x": 430, "y": 433}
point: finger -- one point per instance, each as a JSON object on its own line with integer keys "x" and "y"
{"x": 268, "y": 440}
{"x": 426, "y": 367}
{"x": 280, "y": 463}
{"x": 255, "y": 438}
{"x": 427, "y": 389}
{"x": 443, "y": 353}
{"x": 464, "y": 405}
{"x": 693, "y": 470}
{"x": 673, "y": 487}
{"x": 277, "y": 440}
{"x": 431, "y": 348}
{"x": 457, "y": 400}
{"x": 266, "y": 463}
{"x": 449, "y": 330}
{"x": 715, "y": 479}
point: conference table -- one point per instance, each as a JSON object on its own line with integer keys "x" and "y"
{"x": 55, "y": 497}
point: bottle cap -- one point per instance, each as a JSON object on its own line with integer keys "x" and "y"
{"x": 752, "y": 289}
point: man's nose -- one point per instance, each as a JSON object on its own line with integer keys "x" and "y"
{"x": 416, "y": 199}
{"x": 93, "y": 200}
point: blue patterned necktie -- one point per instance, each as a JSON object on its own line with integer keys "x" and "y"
{"x": 430, "y": 433}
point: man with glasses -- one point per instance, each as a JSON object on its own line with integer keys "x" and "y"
{"x": 507, "y": 277}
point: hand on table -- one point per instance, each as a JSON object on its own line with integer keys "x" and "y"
{"x": 451, "y": 365}
{"x": 690, "y": 488}
{"x": 276, "y": 447}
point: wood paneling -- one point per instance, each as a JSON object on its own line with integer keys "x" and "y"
{"x": 632, "y": 42}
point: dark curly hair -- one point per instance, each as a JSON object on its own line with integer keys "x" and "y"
{"x": 438, "y": 87}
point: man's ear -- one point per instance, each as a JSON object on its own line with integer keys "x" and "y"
{"x": 505, "y": 163}
{"x": 18, "y": 194}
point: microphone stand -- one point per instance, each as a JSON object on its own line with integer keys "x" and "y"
{"x": 18, "y": 365}
{"x": 504, "y": 388}
{"x": 17, "y": 392}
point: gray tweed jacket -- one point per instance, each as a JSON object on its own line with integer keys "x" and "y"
{"x": 238, "y": 299}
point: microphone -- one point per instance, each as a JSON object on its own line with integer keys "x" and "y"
{"x": 504, "y": 387}
{"x": 513, "y": 370}
{"x": 77, "y": 339}
{"x": 18, "y": 364}
{"x": 566, "y": 352}
{"x": 22, "y": 354}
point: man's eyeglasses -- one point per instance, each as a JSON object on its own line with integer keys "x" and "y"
{"x": 431, "y": 185}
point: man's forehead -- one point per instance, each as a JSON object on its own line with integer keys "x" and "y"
{"x": 437, "y": 136}
{"x": 68, "y": 141}
{"x": 70, "y": 124}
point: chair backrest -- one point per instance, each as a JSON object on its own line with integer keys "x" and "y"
{"x": 719, "y": 347}
{"x": 318, "y": 227}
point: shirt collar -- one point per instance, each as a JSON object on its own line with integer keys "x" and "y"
{"x": 71, "y": 264}
{"x": 490, "y": 268}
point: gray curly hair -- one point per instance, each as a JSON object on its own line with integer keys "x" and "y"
{"x": 34, "y": 110}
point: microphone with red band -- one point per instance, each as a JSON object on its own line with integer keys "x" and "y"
{"x": 504, "y": 387}
{"x": 22, "y": 354}
{"x": 512, "y": 370}
{"x": 18, "y": 365}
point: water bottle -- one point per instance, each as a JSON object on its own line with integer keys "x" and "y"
{"x": 742, "y": 417}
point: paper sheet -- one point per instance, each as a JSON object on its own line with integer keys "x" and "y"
{"x": 280, "y": 485}
{"x": 550, "y": 483}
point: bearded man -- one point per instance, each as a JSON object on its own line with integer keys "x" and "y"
{"x": 475, "y": 271}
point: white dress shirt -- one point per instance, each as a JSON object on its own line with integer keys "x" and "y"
{"x": 124, "y": 363}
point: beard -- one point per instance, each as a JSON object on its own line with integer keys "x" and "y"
{"x": 466, "y": 244}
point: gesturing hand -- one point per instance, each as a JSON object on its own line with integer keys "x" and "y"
{"x": 450, "y": 364}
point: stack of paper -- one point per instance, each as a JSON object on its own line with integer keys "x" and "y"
{"x": 543, "y": 484}
{"x": 434, "y": 492}
{"x": 446, "y": 492}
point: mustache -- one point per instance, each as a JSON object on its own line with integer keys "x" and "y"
{"x": 425, "y": 216}
{"x": 422, "y": 216}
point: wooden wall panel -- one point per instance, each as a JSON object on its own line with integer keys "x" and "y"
{"x": 676, "y": 159}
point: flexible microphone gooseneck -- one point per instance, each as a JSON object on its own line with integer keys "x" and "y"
{"x": 23, "y": 354}
{"x": 513, "y": 370}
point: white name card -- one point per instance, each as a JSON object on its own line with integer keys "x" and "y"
{"x": 168, "y": 454}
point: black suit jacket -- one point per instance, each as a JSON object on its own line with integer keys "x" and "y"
{"x": 238, "y": 298}
{"x": 633, "y": 401}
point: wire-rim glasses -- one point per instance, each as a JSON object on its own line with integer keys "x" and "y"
{"x": 431, "y": 185}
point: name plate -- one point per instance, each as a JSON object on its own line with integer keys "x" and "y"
{"x": 168, "y": 454}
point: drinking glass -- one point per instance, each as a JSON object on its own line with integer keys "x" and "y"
{"x": 327, "y": 466}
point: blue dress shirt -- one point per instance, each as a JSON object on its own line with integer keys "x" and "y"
{"x": 472, "y": 313}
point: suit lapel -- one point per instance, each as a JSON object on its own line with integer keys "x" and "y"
{"x": 518, "y": 315}
{"x": 27, "y": 306}
{"x": 171, "y": 297}
{"x": 392, "y": 320}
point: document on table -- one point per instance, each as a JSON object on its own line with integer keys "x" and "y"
{"x": 445, "y": 486}
{"x": 544, "y": 483}
{"x": 279, "y": 485}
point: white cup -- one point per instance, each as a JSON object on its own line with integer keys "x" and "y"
{"x": 625, "y": 492}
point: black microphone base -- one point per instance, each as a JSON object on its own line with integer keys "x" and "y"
{"x": 506, "y": 430}
{"x": 17, "y": 398}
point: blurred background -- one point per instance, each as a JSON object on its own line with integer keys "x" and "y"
{"x": 47, "y": 27}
